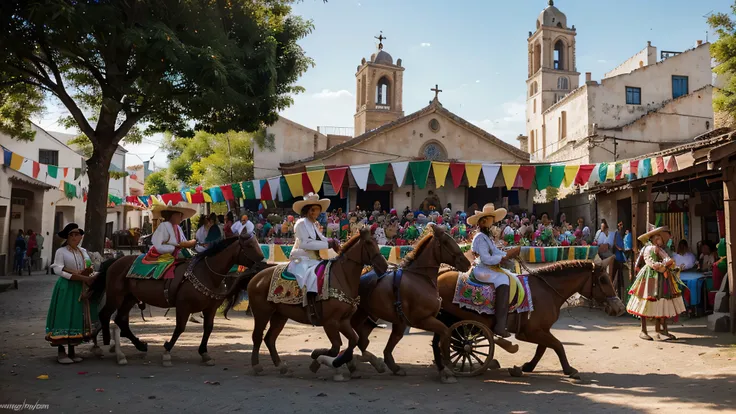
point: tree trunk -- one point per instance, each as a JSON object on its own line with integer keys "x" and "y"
{"x": 96, "y": 214}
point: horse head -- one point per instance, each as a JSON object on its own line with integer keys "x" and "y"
{"x": 449, "y": 251}
{"x": 601, "y": 289}
{"x": 250, "y": 252}
{"x": 362, "y": 249}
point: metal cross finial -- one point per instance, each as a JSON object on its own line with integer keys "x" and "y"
{"x": 380, "y": 38}
{"x": 436, "y": 91}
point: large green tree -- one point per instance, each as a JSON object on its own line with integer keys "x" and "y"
{"x": 128, "y": 68}
{"x": 724, "y": 52}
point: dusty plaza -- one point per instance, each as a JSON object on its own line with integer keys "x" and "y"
{"x": 619, "y": 373}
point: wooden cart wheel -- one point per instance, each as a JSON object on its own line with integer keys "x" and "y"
{"x": 471, "y": 348}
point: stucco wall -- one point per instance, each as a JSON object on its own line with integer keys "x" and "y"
{"x": 646, "y": 56}
{"x": 292, "y": 142}
{"x": 576, "y": 108}
{"x": 117, "y": 186}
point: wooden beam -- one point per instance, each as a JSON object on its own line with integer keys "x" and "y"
{"x": 729, "y": 205}
{"x": 634, "y": 219}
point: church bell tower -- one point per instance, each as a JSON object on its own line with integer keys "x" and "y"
{"x": 552, "y": 73}
{"x": 378, "y": 92}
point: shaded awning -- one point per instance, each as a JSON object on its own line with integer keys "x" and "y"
{"x": 14, "y": 175}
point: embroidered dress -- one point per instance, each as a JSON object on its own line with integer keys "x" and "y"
{"x": 487, "y": 265}
{"x": 162, "y": 254}
{"x": 305, "y": 254}
{"x": 656, "y": 294}
{"x": 71, "y": 318}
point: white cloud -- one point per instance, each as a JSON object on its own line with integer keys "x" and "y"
{"x": 477, "y": 81}
{"x": 328, "y": 94}
{"x": 602, "y": 61}
{"x": 510, "y": 124}
{"x": 425, "y": 44}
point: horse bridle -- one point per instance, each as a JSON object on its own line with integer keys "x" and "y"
{"x": 593, "y": 280}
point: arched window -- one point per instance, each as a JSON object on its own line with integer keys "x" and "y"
{"x": 382, "y": 91}
{"x": 533, "y": 88}
{"x": 433, "y": 151}
{"x": 562, "y": 83}
{"x": 537, "y": 57}
{"x": 559, "y": 55}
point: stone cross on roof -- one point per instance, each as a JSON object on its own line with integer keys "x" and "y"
{"x": 380, "y": 38}
{"x": 436, "y": 91}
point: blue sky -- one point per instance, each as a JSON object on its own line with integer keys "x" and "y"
{"x": 475, "y": 50}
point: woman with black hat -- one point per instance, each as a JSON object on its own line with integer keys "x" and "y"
{"x": 71, "y": 315}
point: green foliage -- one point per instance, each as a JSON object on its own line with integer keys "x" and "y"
{"x": 552, "y": 194}
{"x": 18, "y": 102}
{"x": 158, "y": 183}
{"x": 724, "y": 52}
{"x": 83, "y": 144}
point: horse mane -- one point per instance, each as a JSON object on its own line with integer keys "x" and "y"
{"x": 565, "y": 265}
{"x": 351, "y": 241}
{"x": 217, "y": 247}
{"x": 419, "y": 246}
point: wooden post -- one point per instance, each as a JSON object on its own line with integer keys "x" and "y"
{"x": 634, "y": 219}
{"x": 729, "y": 206}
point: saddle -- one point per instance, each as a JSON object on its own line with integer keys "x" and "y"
{"x": 172, "y": 285}
{"x": 478, "y": 296}
{"x": 285, "y": 289}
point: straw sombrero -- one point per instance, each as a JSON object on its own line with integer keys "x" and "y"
{"x": 652, "y": 231}
{"x": 186, "y": 209}
{"x": 311, "y": 199}
{"x": 489, "y": 210}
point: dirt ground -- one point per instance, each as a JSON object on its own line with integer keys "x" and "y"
{"x": 620, "y": 373}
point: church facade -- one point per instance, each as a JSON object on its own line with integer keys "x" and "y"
{"x": 384, "y": 134}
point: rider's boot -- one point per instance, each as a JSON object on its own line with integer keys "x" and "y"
{"x": 502, "y": 311}
{"x": 312, "y": 308}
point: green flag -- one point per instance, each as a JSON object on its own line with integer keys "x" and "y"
{"x": 53, "y": 170}
{"x": 284, "y": 190}
{"x": 557, "y": 174}
{"x": 420, "y": 172}
{"x": 541, "y": 176}
{"x": 602, "y": 171}
{"x": 249, "y": 192}
{"x": 70, "y": 190}
{"x": 379, "y": 172}
{"x": 237, "y": 191}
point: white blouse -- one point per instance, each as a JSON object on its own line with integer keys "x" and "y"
{"x": 308, "y": 236}
{"x": 165, "y": 238}
{"x": 488, "y": 253}
{"x": 66, "y": 257}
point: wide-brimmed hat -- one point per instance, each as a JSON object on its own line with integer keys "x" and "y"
{"x": 489, "y": 210}
{"x": 186, "y": 209}
{"x": 64, "y": 234}
{"x": 311, "y": 199}
{"x": 652, "y": 231}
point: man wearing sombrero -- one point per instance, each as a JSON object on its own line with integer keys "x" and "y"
{"x": 488, "y": 258}
{"x": 305, "y": 256}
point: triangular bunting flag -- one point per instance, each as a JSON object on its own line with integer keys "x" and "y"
{"x": 258, "y": 187}
{"x": 360, "y": 175}
{"x": 379, "y": 172}
{"x": 227, "y": 192}
{"x": 26, "y": 167}
{"x": 509, "y": 175}
{"x": 602, "y": 172}
{"x": 457, "y": 169}
{"x": 284, "y": 190}
{"x": 645, "y": 168}
{"x": 77, "y": 173}
{"x": 7, "y": 156}
{"x": 273, "y": 184}
{"x": 556, "y": 175}
{"x": 571, "y": 171}
{"x": 420, "y": 172}
{"x": 265, "y": 193}
{"x": 525, "y": 176}
{"x": 307, "y": 185}
{"x": 400, "y": 171}
{"x": 611, "y": 172}
{"x": 37, "y": 169}
{"x": 595, "y": 176}
{"x": 584, "y": 173}
{"x": 294, "y": 181}
{"x": 490, "y": 172}
{"x": 316, "y": 177}
{"x": 541, "y": 176}
{"x": 337, "y": 177}
{"x": 633, "y": 170}
{"x": 670, "y": 163}
{"x": 660, "y": 165}
{"x": 472, "y": 171}
{"x": 52, "y": 171}
{"x": 618, "y": 171}
{"x": 16, "y": 161}
{"x": 249, "y": 192}
{"x": 440, "y": 172}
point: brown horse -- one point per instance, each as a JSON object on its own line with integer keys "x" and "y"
{"x": 409, "y": 298}
{"x": 195, "y": 288}
{"x": 550, "y": 286}
{"x": 361, "y": 250}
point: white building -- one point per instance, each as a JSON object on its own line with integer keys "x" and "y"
{"x": 118, "y": 188}
{"x": 37, "y": 203}
{"x": 641, "y": 106}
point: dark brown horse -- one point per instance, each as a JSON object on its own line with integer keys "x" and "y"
{"x": 361, "y": 250}
{"x": 409, "y": 298}
{"x": 195, "y": 288}
{"x": 550, "y": 287}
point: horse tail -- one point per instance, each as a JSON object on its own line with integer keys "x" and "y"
{"x": 98, "y": 286}
{"x": 232, "y": 297}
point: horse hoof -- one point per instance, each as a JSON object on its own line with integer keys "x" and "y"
{"x": 285, "y": 370}
{"x": 257, "y": 369}
{"x": 97, "y": 351}
{"x": 210, "y": 362}
{"x": 516, "y": 372}
{"x": 352, "y": 366}
{"x": 122, "y": 361}
{"x": 314, "y": 366}
{"x": 339, "y": 378}
{"x": 112, "y": 347}
{"x": 380, "y": 367}
{"x": 400, "y": 372}
{"x": 494, "y": 364}
{"x": 528, "y": 367}
{"x": 513, "y": 349}
{"x": 448, "y": 379}
{"x": 573, "y": 373}
{"x": 142, "y": 347}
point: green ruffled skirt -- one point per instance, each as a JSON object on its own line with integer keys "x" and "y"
{"x": 71, "y": 319}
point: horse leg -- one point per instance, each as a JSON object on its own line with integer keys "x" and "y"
{"x": 546, "y": 339}
{"x": 397, "y": 332}
{"x": 363, "y": 327}
{"x": 332, "y": 330}
{"x": 442, "y": 349}
{"x": 119, "y": 355}
{"x": 529, "y": 366}
{"x": 208, "y": 325}
{"x": 105, "y": 314}
{"x": 276, "y": 325}
{"x": 122, "y": 319}
{"x": 260, "y": 320}
{"x": 182, "y": 315}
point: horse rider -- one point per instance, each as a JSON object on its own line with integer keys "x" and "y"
{"x": 169, "y": 238}
{"x": 487, "y": 263}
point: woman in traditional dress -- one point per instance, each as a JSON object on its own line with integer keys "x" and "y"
{"x": 71, "y": 315}
{"x": 487, "y": 263}
{"x": 656, "y": 292}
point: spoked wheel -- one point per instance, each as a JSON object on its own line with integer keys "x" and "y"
{"x": 471, "y": 348}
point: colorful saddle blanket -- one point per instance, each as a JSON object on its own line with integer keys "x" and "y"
{"x": 163, "y": 267}
{"x": 285, "y": 288}
{"x": 481, "y": 297}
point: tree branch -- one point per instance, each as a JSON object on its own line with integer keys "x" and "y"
{"x": 130, "y": 121}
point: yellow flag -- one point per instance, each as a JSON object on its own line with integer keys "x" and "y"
{"x": 189, "y": 197}
{"x": 611, "y": 173}
{"x": 156, "y": 201}
{"x": 294, "y": 181}
{"x": 571, "y": 171}
{"x": 509, "y": 174}
{"x": 278, "y": 255}
{"x": 207, "y": 197}
{"x": 316, "y": 177}
{"x": 440, "y": 172}
{"x": 16, "y": 161}
{"x": 473, "y": 172}
{"x": 571, "y": 253}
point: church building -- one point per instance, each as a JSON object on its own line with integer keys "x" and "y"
{"x": 384, "y": 134}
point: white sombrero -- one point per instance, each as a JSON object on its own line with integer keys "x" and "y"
{"x": 652, "y": 231}
{"x": 311, "y": 199}
{"x": 186, "y": 209}
{"x": 489, "y": 210}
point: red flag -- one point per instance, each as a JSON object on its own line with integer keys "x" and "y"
{"x": 227, "y": 192}
{"x": 266, "y": 191}
{"x": 634, "y": 166}
{"x": 306, "y": 184}
{"x": 337, "y": 176}
{"x": 457, "y": 169}
{"x": 198, "y": 197}
{"x": 66, "y": 171}
{"x": 660, "y": 165}
{"x": 36, "y": 169}
{"x": 584, "y": 174}
{"x": 525, "y": 177}
{"x": 84, "y": 195}
{"x": 171, "y": 198}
